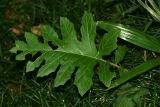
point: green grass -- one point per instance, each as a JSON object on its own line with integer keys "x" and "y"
{"x": 18, "y": 89}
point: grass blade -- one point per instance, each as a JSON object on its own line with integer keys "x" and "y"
{"x": 136, "y": 71}
{"x": 133, "y": 36}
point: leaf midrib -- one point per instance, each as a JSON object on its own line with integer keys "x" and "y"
{"x": 94, "y": 58}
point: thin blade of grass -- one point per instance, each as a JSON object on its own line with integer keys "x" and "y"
{"x": 136, "y": 71}
{"x": 133, "y": 36}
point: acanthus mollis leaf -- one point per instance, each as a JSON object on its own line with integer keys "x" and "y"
{"x": 70, "y": 53}
{"x": 81, "y": 55}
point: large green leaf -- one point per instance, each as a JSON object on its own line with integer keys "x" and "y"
{"x": 133, "y": 36}
{"x": 67, "y": 54}
{"x": 70, "y": 54}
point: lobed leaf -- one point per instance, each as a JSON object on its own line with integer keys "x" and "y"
{"x": 79, "y": 56}
{"x": 70, "y": 54}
